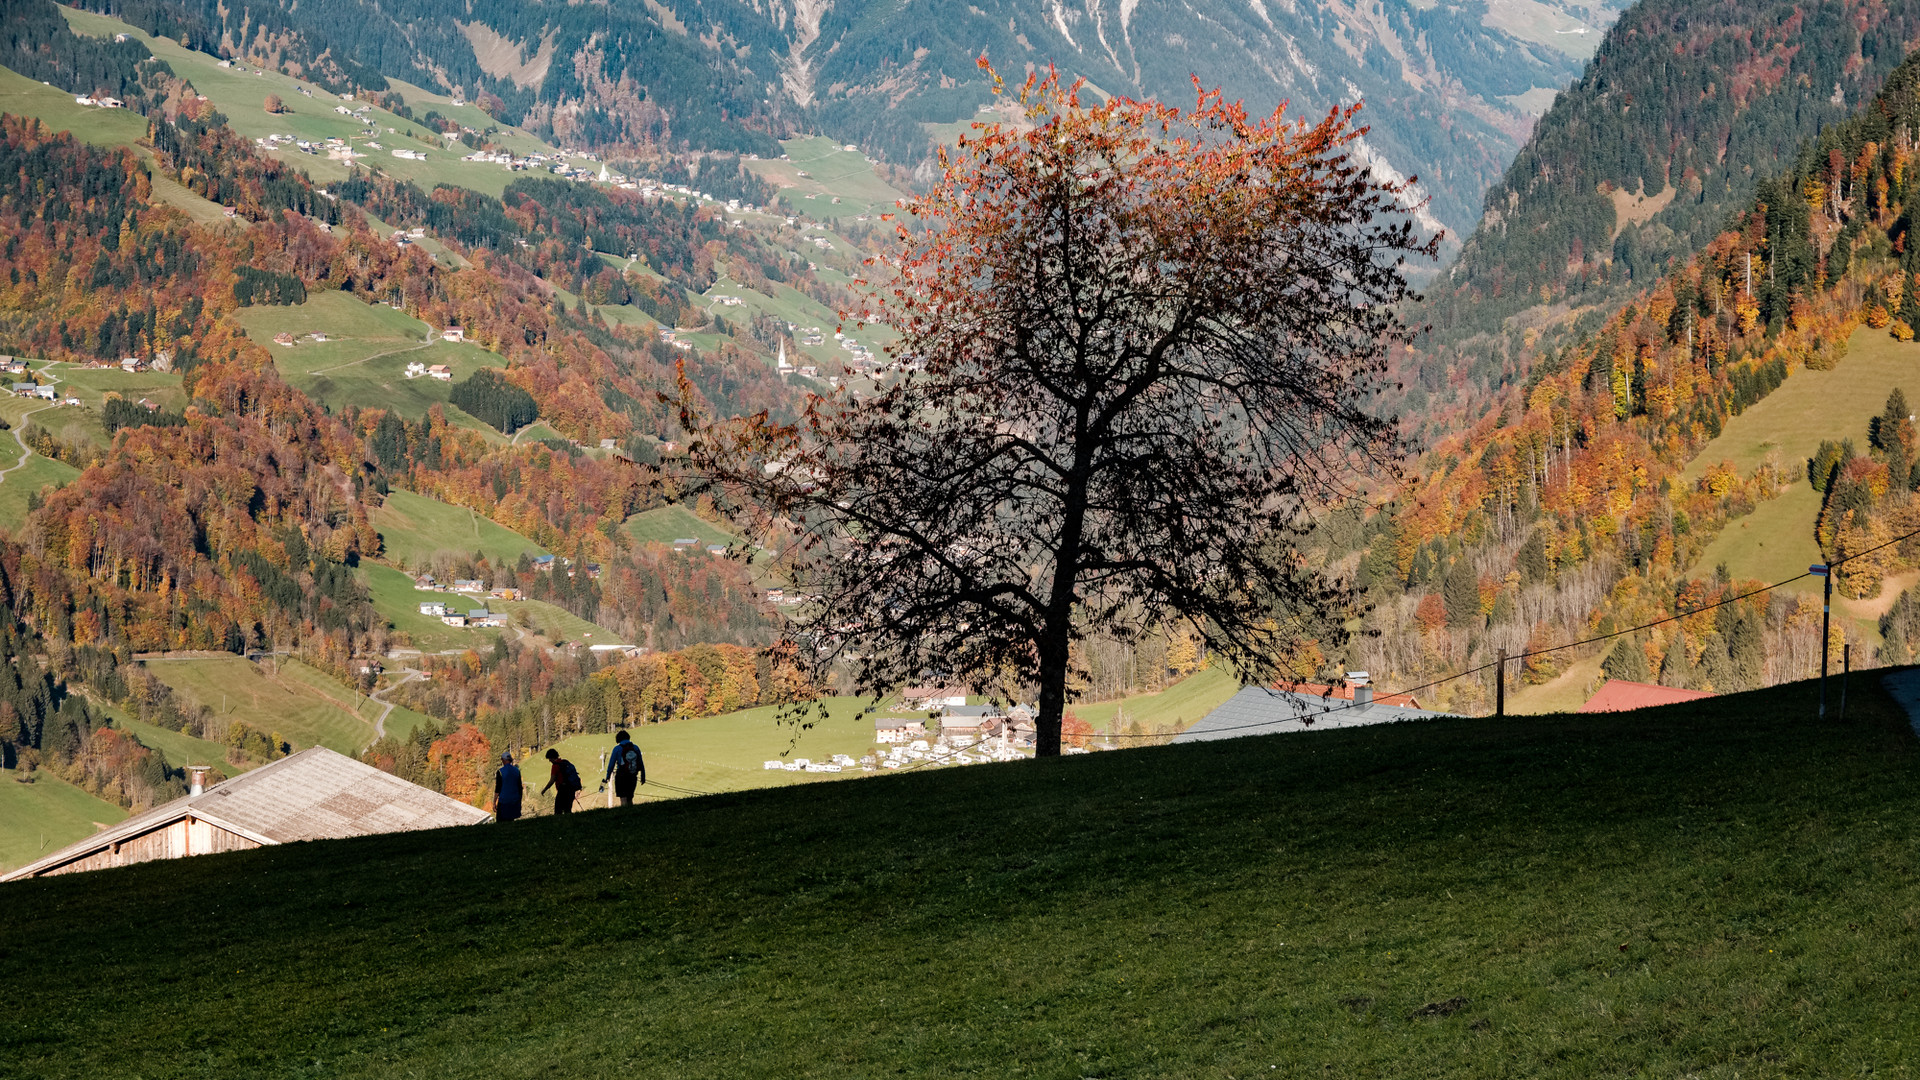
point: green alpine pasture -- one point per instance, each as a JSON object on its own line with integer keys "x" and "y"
{"x": 1722, "y": 889}
{"x": 305, "y": 706}
{"x": 665, "y": 524}
{"x": 414, "y": 528}
{"x": 832, "y": 172}
{"x": 1776, "y": 542}
{"x": 18, "y": 486}
{"x": 46, "y": 815}
{"x": 363, "y": 361}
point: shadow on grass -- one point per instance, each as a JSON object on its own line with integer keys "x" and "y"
{"x": 1719, "y": 887}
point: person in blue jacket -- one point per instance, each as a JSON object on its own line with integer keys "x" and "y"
{"x": 625, "y": 766}
{"x": 507, "y": 790}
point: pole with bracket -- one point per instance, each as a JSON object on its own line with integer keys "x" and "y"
{"x": 1825, "y": 574}
{"x": 1846, "y": 676}
{"x": 1500, "y": 686}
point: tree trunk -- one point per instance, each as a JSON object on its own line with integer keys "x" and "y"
{"x": 1054, "y": 657}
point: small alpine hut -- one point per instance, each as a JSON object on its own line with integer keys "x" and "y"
{"x": 316, "y": 794}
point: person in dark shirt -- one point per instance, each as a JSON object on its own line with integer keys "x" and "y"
{"x": 507, "y": 790}
{"x": 565, "y": 782}
{"x": 626, "y": 768}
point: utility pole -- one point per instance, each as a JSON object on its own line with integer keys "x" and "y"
{"x": 1846, "y": 676}
{"x": 1825, "y": 574}
{"x": 1500, "y": 686}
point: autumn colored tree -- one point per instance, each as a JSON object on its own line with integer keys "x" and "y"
{"x": 275, "y": 105}
{"x": 1144, "y": 341}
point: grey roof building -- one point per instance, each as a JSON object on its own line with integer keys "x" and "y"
{"x": 1258, "y": 710}
{"x": 316, "y": 794}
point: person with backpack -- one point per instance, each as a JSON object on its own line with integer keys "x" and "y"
{"x": 507, "y": 790}
{"x": 565, "y": 782}
{"x": 625, "y": 766}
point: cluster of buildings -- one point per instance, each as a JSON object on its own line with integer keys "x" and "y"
{"x": 431, "y": 371}
{"x": 101, "y": 102}
{"x": 471, "y": 617}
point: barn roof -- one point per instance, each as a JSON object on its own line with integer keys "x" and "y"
{"x": 316, "y": 794}
{"x": 1257, "y": 710}
{"x": 1619, "y": 695}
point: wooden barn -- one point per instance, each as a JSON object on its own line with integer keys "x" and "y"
{"x": 315, "y": 794}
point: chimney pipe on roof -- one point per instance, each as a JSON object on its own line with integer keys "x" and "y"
{"x": 196, "y": 779}
{"x": 1362, "y": 696}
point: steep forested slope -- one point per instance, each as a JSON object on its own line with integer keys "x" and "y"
{"x": 1686, "y": 104}
{"x": 1451, "y": 88}
{"x": 1576, "y": 504}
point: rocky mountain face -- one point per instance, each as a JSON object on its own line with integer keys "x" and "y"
{"x": 1452, "y": 89}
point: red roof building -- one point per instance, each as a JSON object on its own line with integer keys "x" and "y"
{"x": 1619, "y": 695}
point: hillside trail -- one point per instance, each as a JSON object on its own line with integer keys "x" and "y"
{"x": 1905, "y": 688}
{"x": 368, "y": 359}
{"x": 26, "y": 454}
{"x": 380, "y": 724}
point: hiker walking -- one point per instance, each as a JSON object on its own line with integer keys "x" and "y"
{"x": 507, "y": 790}
{"x": 625, "y": 766}
{"x": 565, "y": 782}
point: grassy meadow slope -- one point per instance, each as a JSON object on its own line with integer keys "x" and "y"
{"x": 1723, "y": 889}
{"x": 1776, "y": 541}
{"x": 46, "y": 815}
{"x": 414, "y": 528}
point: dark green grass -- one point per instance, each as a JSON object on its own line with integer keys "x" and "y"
{"x": 1725, "y": 890}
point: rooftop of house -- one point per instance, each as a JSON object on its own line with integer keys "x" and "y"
{"x": 315, "y": 794}
{"x": 1619, "y": 695}
{"x": 1259, "y": 710}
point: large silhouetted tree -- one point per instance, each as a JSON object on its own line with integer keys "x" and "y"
{"x": 1140, "y": 345}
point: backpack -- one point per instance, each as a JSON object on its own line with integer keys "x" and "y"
{"x": 570, "y": 776}
{"x": 626, "y": 761}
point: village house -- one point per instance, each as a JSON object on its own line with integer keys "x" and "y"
{"x": 963, "y": 725}
{"x": 24, "y": 389}
{"x": 543, "y": 562}
{"x": 685, "y": 543}
{"x": 894, "y": 729}
{"x": 416, "y": 369}
{"x": 425, "y": 581}
{"x": 453, "y": 333}
{"x": 932, "y": 697}
{"x": 13, "y": 366}
{"x": 483, "y": 617}
{"x": 469, "y": 585}
{"x": 453, "y": 618}
{"x": 506, "y": 593}
{"x": 283, "y": 339}
{"x": 316, "y": 794}
{"x": 441, "y": 372}
{"x": 46, "y": 393}
{"x": 130, "y": 364}
{"x": 434, "y": 608}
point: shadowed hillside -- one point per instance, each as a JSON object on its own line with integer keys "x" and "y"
{"x": 1727, "y": 888}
